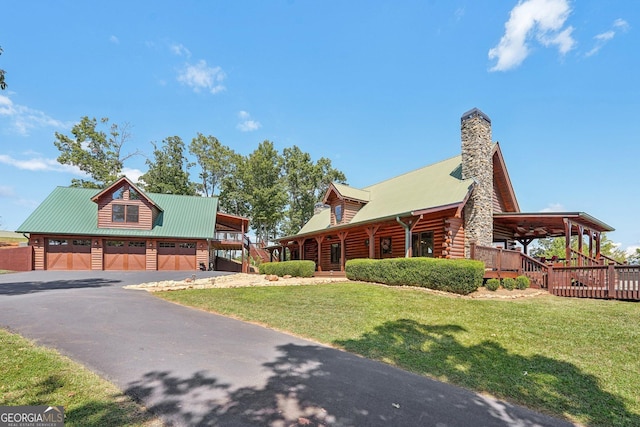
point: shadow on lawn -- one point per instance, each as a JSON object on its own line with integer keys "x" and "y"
{"x": 318, "y": 386}
{"x": 536, "y": 381}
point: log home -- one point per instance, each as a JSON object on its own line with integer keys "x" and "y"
{"x": 443, "y": 210}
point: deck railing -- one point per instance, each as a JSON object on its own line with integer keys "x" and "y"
{"x": 592, "y": 280}
{"x": 596, "y": 281}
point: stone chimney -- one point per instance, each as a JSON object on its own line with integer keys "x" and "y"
{"x": 477, "y": 164}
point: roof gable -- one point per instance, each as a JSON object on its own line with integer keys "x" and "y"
{"x": 435, "y": 185}
{"x": 502, "y": 182}
{"x": 343, "y": 191}
{"x": 120, "y": 183}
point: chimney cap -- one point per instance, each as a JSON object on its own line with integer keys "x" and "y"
{"x": 475, "y": 112}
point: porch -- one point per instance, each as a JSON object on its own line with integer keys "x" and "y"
{"x": 578, "y": 276}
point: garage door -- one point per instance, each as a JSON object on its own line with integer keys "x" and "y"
{"x": 68, "y": 254}
{"x": 176, "y": 256}
{"x": 125, "y": 255}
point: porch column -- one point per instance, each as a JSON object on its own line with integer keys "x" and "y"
{"x": 408, "y": 224}
{"x": 371, "y": 232}
{"x": 567, "y": 238}
{"x": 301, "y": 248}
{"x": 319, "y": 240}
{"x": 580, "y": 243}
{"x": 343, "y": 250}
{"x": 598, "y": 237}
{"x": 244, "y": 268}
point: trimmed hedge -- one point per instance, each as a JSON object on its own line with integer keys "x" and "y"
{"x": 522, "y": 282}
{"x": 461, "y": 276}
{"x": 509, "y": 283}
{"x": 492, "y": 284}
{"x": 292, "y": 268}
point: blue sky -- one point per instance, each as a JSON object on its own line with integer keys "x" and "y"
{"x": 376, "y": 86}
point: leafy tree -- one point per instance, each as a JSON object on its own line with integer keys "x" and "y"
{"x": 264, "y": 186}
{"x": 233, "y": 197}
{"x": 3, "y": 84}
{"x": 168, "y": 172}
{"x": 95, "y": 152}
{"x": 550, "y": 247}
{"x": 634, "y": 258}
{"x": 215, "y": 161}
{"x": 306, "y": 183}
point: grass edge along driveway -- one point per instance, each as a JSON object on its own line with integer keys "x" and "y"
{"x": 573, "y": 358}
{"x": 35, "y": 375}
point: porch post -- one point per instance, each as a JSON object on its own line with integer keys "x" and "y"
{"x": 300, "y": 248}
{"x": 319, "y": 240}
{"x": 567, "y": 237}
{"x": 343, "y": 250}
{"x": 371, "y": 232}
{"x": 580, "y": 243}
{"x": 244, "y": 268}
{"x": 598, "y": 240}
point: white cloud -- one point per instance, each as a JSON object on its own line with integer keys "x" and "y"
{"x": 542, "y": 20}
{"x": 114, "y": 40}
{"x": 24, "y": 118}
{"x": 40, "y": 164}
{"x": 180, "y": 50}
{"x": 554, "y": 207}
{"x": 631, "y": 250}
{"x": 603, "y": 38}
{"x": 200, "y": 76}
{"x": 246, "y": 124}
{"x": 133, "y": 174}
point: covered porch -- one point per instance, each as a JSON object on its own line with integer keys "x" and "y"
{"x": 584, "y": 272}
{"x": 230, "y": 237}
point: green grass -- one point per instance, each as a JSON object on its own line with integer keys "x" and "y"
{"x": 32, "y": 375}
{"x": 573, "y": 358}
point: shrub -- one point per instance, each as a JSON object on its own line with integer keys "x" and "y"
{"x": 522, "y": 282}
{"x": 292, "y": 268}
{"x": 492, "y": 284}
{"x": 509, "y": 283}
{"x": 460, "y": 276}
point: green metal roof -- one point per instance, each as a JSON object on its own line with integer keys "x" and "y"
{"x": 69, "y": 210}
{"x": 352, "y": 193}
{"x": 439, "y": 184}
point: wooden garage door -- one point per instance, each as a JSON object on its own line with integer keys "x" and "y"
{"x": 176, "y": 256}
{"x": 68, "y": 254}
{"x": 125, "y": 255}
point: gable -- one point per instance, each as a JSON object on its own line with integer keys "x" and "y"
{"x": 504, "y": 197}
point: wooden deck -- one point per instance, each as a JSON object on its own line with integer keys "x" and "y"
{"x": 580, "y": 277}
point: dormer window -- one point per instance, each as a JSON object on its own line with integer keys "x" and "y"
{"x": 133, "y": 194}
{"x": 122, "y": 213}
{"x": 337, "y": 211}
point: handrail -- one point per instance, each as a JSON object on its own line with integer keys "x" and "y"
{"x": 582, "y": 259}
{"x": 534, "y": 261}
{"x": 611, "y": 260}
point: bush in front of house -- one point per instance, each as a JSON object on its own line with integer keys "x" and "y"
{"x": 492, "y": 284}
{"x": 461, "y": 276}
{"x": 509, "y": 283}
{"x": 522, "y": 282}
{"x": 291, "y": 268}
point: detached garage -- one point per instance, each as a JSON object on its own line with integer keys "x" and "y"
{"x": 123, "y": 228}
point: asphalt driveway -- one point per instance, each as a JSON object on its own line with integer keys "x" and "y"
{"x": 195, "y": 368}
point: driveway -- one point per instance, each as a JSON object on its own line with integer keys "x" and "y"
{"x": 195, "y": 368}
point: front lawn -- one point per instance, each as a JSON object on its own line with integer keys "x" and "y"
{"x": 573, "y": 358}
{"x": 32, "y": 375}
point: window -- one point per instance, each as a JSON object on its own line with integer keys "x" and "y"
{"x": 132, "y": 213}
{"x": 422, "y": 244}
{"x": 337, "y": 210}
{"x": 115, "y": 243}
{"x": 133, "y": 194}
{"x": 385, "y": 245}
{"x": 335, "y": 253}
{"x": 136, "y": 244}
{"x": 58, "y": 242}
{"x": 188, "y": 245}
{"x": 167, "y": 245}
{"x": 118, "y": 213}
{"x": 82, "y": 242}
{"x": 118, "y": 194}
